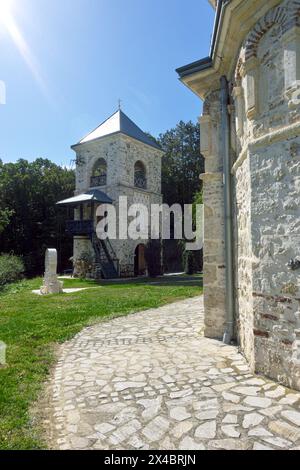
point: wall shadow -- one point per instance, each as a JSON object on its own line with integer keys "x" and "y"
{"x": 167, "y": 280}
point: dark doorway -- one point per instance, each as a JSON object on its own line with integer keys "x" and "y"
{"x": 139, "y": 261}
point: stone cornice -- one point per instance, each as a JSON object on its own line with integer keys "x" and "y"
{"x": 111, "y": 137}
{"x": 287, "y": 132}
{"x": 136, "y": 189}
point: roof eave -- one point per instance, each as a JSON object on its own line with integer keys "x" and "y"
{"x": 153, "y": 146}
{"x": 194, "y": 67}
{"x": 75, "y": 201}
{"x": 79, "y": 144}
{"x": 234, "y": 19}
{"x": 202, "y": 77}
{"x": 207, "y": 63}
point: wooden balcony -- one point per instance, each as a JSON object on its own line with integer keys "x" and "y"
{"x": 98, "y": 181}
{"x": 79, "y": 227}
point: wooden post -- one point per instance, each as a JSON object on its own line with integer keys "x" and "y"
{"x": 92, "y": 210}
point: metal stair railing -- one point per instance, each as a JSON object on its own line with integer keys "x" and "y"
{"x": 106, "y": 257}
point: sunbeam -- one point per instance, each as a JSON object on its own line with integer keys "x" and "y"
{"x": 8, "y": 22}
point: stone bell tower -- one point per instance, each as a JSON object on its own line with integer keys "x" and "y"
{"x": 116, "y": 159}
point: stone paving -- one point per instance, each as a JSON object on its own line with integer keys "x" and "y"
{"x": 152, "y": 381}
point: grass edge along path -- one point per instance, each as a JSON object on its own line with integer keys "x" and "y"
{"x": 31, "y": 325}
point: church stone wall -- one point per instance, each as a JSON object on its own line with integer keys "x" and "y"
{"x": 265, "y": 110}
{"x": 243, "y": 260}
{"x": 275, "y": 232}
{"x": 214, "y": 246}
{"x": 266, "y": 177}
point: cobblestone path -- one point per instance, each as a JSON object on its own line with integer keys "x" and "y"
{"x": 152, "y": 381}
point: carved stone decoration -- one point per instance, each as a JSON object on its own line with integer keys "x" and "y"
{"x": 237, "y": 94}
{"x": 51, "y": 284}
{"x": 276, "y": 15}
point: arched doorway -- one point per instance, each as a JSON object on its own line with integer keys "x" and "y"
{"x": 139, "y": 260}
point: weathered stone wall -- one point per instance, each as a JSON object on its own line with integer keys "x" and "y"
{"x": 120, "y": 153}
{"x": 265, "y": 117}
{"x": 213, "y": 243}
{"x": 243, "y": 260}
{"x": 266, "y": 176}
{"x": 87, "y": 155}
{"x": 132, "y": 151}
{"x": 275, "y": 231}
{"x": 214, "y": 264}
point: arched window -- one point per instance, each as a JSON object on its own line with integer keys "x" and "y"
{"x": 99, "y": 173}
{"x": 140, "y": 180}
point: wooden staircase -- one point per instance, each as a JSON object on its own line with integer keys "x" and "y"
{"x": 107, "y": 263}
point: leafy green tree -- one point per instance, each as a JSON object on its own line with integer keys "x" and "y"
{"x": 5, "y": 215}
{"x": 182, "y": 163}
{"x": 29, "y": 192}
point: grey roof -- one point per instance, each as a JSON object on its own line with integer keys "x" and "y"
{"x": 206, "y": 62}
{"x": 119, "y": 123}
{"x": 84, "y": 198}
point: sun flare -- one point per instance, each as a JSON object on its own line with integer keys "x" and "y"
{"x": 6, "y": 12}
{"x": 8, "y": 22}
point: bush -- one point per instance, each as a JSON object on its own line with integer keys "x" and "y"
{"x": 193, "y": 261}
{"x": 82, "y": 265}
{"x": 189, "y": 263}
{"x": 153, "y": 258}
{"x": 11, "y": 269}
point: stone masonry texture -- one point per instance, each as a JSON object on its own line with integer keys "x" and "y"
{"x": 120, "y": 153}
{"x": 265, "y": 149}
{"x": 151, "y": 380}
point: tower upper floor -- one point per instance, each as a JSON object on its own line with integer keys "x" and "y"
{"x": 118, "y": 153}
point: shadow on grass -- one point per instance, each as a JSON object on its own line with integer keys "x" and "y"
{"x": 167, "y": 280}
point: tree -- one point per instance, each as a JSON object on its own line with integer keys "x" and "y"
{"x": 29, "y": 192}
{"x": 182, "y": 163}
{"x": 5, "y": 215}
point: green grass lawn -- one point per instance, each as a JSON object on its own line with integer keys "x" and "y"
{"x": 30, "y": 325}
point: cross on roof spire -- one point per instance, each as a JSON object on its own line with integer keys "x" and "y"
{"x": 119, "y": 104}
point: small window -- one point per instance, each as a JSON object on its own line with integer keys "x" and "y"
{"x": 99, "y": 174}
{"x": 140, "y": 180}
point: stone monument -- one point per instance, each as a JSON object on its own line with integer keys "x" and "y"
{"x": 51, "y": 284}
{"x": 2, "y": 353}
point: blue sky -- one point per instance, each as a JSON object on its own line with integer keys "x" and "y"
{"x": 69, "y": 61}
